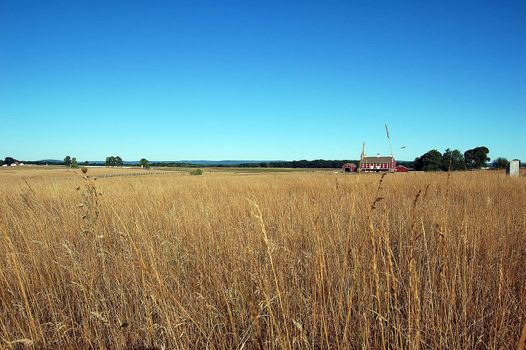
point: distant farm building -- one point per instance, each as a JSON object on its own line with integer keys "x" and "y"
{"x": 349, "y": 168}
{"x": 401, "y": 169}
{"x": 378, "y": 163}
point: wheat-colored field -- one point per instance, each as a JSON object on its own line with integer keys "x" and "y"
{"x": 281, "y": 260}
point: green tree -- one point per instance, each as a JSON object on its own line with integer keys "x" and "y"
{"x": 476, "y": 157}
{"x": 501, "y": 163}
{"x": 10, "y": 161}
{"x": 74, "y": 163}
{"x": 110, "y": 161}
{"x": 1, "y": 162}
{"x": 453, "y": 160}
{"x": 144, "y": 163}
{"x": 86, "y": 163}
{"x": 118, "y": 161}
{"x": 67, "y": 161}
{"x": 429, "y": 161}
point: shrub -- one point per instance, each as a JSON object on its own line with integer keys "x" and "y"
{"x": 500, "y": 163}
{"x": 196, "y": 172}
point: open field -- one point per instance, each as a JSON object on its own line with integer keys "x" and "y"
{"x": 37, "y": 172}
{"x": 276, "y": 260}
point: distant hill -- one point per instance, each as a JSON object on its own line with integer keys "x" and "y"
{"x": 50, "y": 161}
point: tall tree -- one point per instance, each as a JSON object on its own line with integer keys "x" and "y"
{"x": 476, "y": 157}
{"x": 74, "y": 163}
{"x": 144, "y": 163}
{"x": 429, "y": 161}
{"x": 118, "y": 161}
{"x": 453, "y": 160}
{"x": 110, "y": 161}
{"x": 67, "y": 161}
{"x": 10, "y": 161}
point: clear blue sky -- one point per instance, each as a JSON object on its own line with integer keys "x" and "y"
{"x": 260, "y": 79}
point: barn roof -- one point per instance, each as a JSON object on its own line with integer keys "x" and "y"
{"x": 387, "y": 159}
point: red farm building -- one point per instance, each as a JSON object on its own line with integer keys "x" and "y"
{"x": 401, "y": 169}
{"x": 378, "y": 164}
{"x": 349, "y": 168}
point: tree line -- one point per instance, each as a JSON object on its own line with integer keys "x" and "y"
{"x": 71, "y": 162}
{"x": 113, "y": 161}
{"x": 475, "y": 158}
{"x": 432, "y": 160}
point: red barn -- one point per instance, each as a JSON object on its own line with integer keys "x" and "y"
{"x": 377, "y": 164}
{"x": 401, "y": 169}
{"x": 349, "y": 168}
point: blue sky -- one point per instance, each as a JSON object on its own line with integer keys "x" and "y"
{"x": 260, "y": 80}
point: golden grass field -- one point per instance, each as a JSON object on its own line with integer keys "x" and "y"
{"x": 303, "y": 260}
